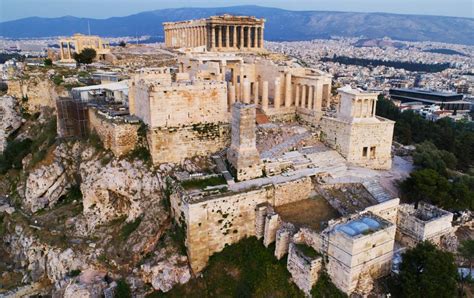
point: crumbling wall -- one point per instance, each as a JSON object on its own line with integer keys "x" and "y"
{"x": 304, "y": 271}
{"x": 120, "y": 138}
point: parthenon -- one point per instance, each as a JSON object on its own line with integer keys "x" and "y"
{"x": 217, "y": 33}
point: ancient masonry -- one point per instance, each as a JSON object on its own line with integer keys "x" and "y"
{"x": 185, "y": 118}
{"x": 357, "y": 133}
{"x": 79, "y": 42}
{"x": 243, "y": 154}
{"x": 217, "y": 33}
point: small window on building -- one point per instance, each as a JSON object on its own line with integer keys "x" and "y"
{"x": 372, "y": 152}
{"x": 364, "y": 151}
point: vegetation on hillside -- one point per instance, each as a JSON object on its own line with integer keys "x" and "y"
{"x": 443, "y": 158}
{"x": 410, "y": 66}
{"x": 245, "y": 269}
{"x": 426, "y": 271}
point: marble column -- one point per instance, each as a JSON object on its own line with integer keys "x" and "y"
{"x": 288, "y": 92}
{"x": 277, "y": 97}
{"x": 255, "y": 37}
{"x": 227, "y": 36}
{"x": 303, "y": 96}
{"x": 231, "y": 91}
{"x": 255, "y": 92}
{"x": 219, "y": 37}
{"x": 319, "y": 97}
{"x": 310, "y": 96}
{"x": 261, "y": 37}
{"x": 242, "y": 37}
{"x": 297, "y": 95}
{"x": 249, "y": 39}
{"x": 374, "y": 108}
{"x": 234, "y": 41}
{"x": 61, "y": 50}
{"x": 265, "y": 95}
{"x": 213, "y": 37}
{"x": 246, "y": 91}
{"x": 317, "y": 102}
{"x": 68, "y": 51}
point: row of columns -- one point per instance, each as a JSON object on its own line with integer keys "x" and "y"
{"x": 364, "y": 108}
{"x": 65, "y": 55}
{"x": 305, "y": 96}
{"x": 233, "y": 36}
{"x": 193, "y": 36}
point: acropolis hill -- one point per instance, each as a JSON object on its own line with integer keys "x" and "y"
{"x": 206, "y": 141}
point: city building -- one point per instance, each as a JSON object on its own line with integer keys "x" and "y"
{"x": 446, "y": 100}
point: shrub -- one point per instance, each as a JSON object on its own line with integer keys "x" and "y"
{"x": 129, "y": 228}
{"x": 48, "y": 62}
{"x": 87, "y": 56}
{"x": 123, "y": 289}
{"x": 13, "y": 154}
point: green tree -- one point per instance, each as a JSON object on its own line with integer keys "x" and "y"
{"x": 122, "y": 44}
{"x": 48, "y": 62}
{"x": 428, "y": 156}
{"x": 87, "y": 56}
{"x": 324, "y": 288}
{"x": 428, "y": 272}
{"x": 466, "y": 250}
{"x": 426, "y": 185}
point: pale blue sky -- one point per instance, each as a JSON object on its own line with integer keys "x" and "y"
{"x": 15, "y": 9}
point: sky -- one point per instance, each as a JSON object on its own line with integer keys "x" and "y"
{"x": 16, "y": 9}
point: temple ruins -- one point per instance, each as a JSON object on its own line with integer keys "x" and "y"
{"x": 78, "y": 42}
{"x": 217, "y": 33}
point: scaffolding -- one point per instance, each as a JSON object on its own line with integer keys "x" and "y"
{"x": 73, "y": 120}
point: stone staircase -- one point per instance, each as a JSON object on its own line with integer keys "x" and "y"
{"x": 377, "y": 191}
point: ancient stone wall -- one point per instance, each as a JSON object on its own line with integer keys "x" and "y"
{"x": 178, "y": 143}
{"x": 351, "y": 258}
{"x": 213, "y": 223}
{"x": 412, "y": 228}
{"x": 181, "y": 104}
{"x": 40, "y": 92}
{"x": 365, "y": 143}
{"x": 304, "y": 271}
{"x": 119, "y": 137}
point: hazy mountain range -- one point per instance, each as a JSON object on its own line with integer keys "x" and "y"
{"x": 281, "y": 24}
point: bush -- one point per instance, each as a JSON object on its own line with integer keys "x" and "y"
{"x": 123, "y": 289}
{"x": 129, "y": 228}
{"x": 48, "y": 62}
{"x": 13, "y": 154}
{"x": 244, "y": 269}
{"x": 87, "y": 56}
{"x": 203, "y": 183}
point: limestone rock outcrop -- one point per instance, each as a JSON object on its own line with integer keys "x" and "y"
{"x": 39, "y": 258}
{"x": 167, "y": 272}
{"x": 120, "y": 188}
{"x": 10, "y": 119}
{"x": 45, "y": 186}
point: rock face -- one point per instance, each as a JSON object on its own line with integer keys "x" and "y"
{"x": 45, "y": 186}
{"x": 10, "y": 119}
{"x": 40, "y": 91}
{"x": 117, "y": 189}
{"x": 167, "y": 272}
{"x": 41, "y": 259}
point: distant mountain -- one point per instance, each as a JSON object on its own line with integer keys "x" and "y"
{"x": 281, "y": 24}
